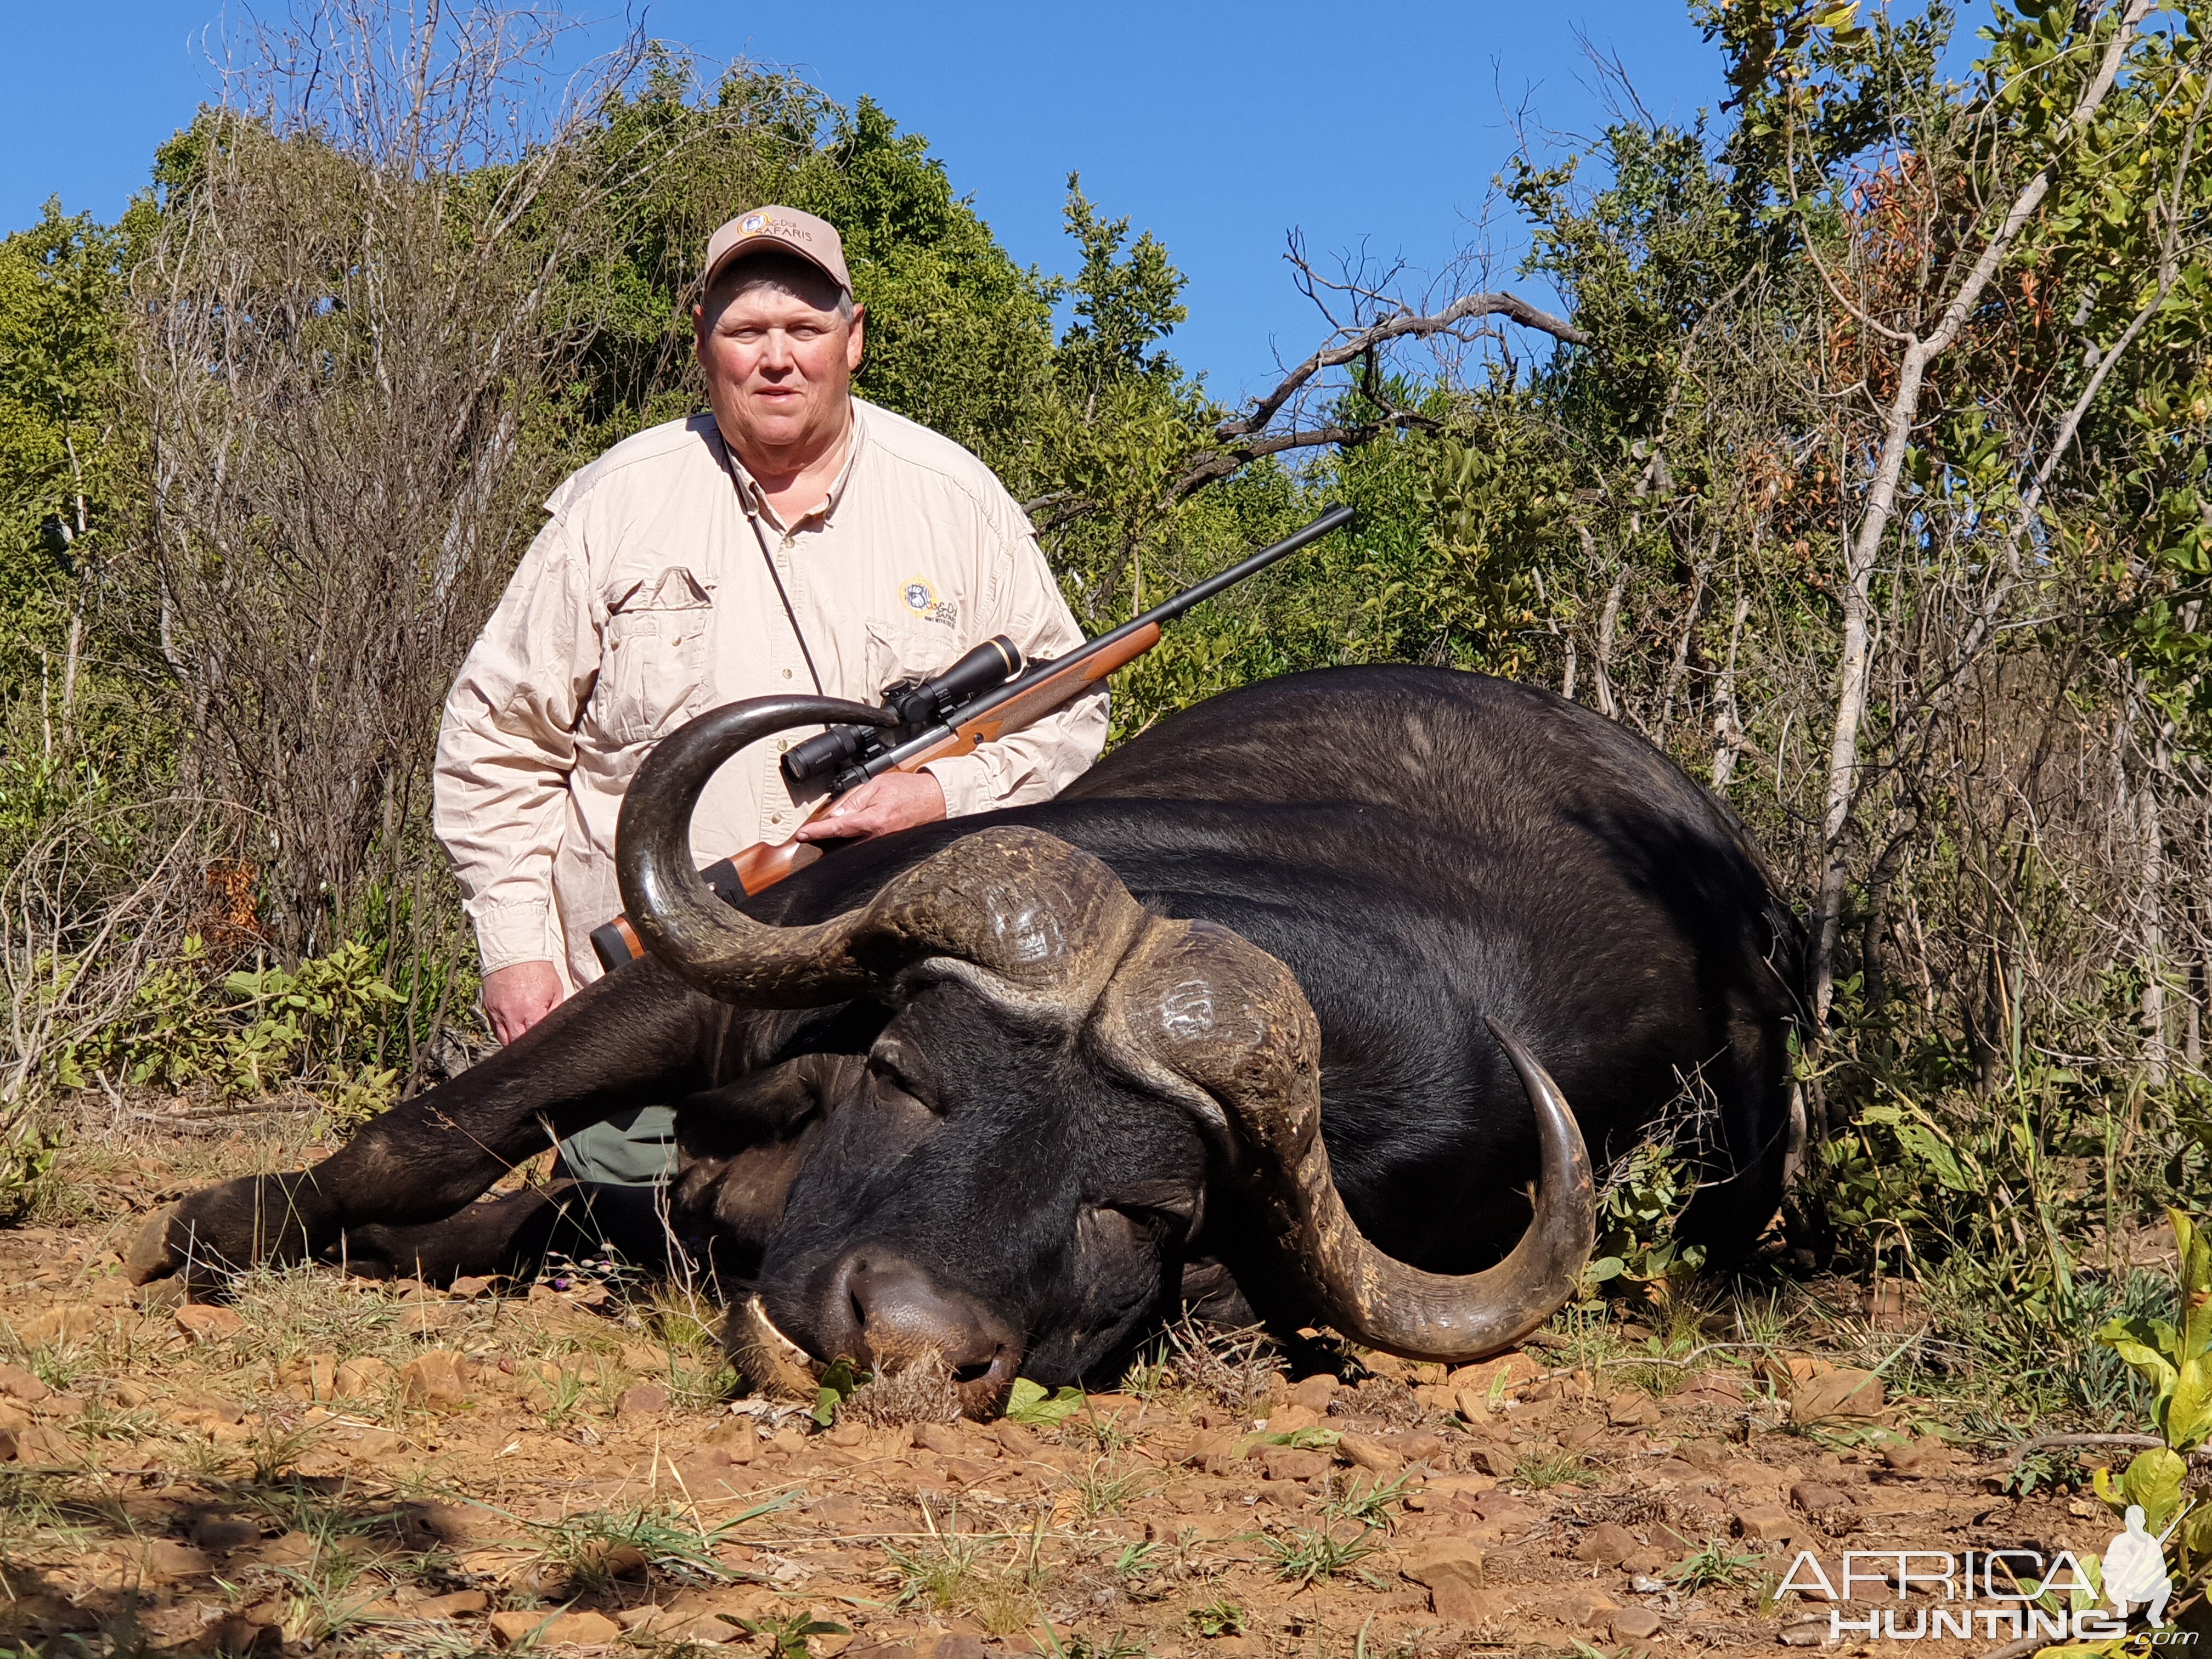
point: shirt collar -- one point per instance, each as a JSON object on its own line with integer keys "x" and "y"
{"x": 748, "y": 489}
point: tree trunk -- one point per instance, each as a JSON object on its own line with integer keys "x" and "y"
{"x": 1728, "y": 721}
{"x": 1607, "y": 622}
{"x": 1855, "y": 663}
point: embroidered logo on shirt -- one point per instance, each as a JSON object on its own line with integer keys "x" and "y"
{"x": 921, "y": 599}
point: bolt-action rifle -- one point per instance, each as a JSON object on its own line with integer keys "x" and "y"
{"x": 987, "y": 694}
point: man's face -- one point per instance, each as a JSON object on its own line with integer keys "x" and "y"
{"x": 779, "y": 361}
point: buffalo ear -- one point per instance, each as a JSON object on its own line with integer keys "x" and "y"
{"x": 743, "y": 1145}
{"x": 764, "y": 1106}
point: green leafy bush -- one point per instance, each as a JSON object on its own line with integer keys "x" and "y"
{"x": 254, "y": 1030}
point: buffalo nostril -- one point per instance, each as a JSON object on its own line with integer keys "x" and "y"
{"x": 902, "y": 1313}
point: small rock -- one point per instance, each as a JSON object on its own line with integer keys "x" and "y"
{"x": 951, "y": 1644}
{"x": 241, "y": 1637}
{"x": 19, "y": 1385}
{"x": 1364, "y": 1451}
{"x": 206, "y": 1409}
{"x": 456, "y": 1527}
{"x": 469, "y": 1287}
{"x": 1507, "y": 1513}
{"x": 1764, "y": 1523}
{"x": 940, "y": 1437}
{"x": 1288, "y": 1463}
{"x": 166, "y": 1559}
{"x": 676, "y": 1625}
{"x": 1812, "y": 1497}
{"x": 434, "y": 1378}
{"x": 1645, "y": 1584}
{"x": 130, "y": 1395}
{"x": 1450, "y": 1569}
{"x": 704, "y": 1631}
{"x": 1514, "y": 1368}
{"x": 1609, "y": 1544}
{"x": 163, "y": 1296}
{"x": 1631, "y": 1410}
{"x": 1634, "y": 1624}
{"x": 642, "y": 1399}
{"x": 59, "y": 1327}
{"x": 1497, "y": 1461}
{"x": 1806, "y": 1633}
{"x": 1714, "y": 1389}
{"x": 225, "y": 1533}
{"x": 554, "y": 1629}
{"x": 374, "y": 1443}
{"x": 1015, "y": 1440}
{"x": 290, "y": 1549}
{"x": 735, "y": 1438}
{"x": 361, "y": 1378}
{"x": 48, "y": 1447}
{"x": 1419, "y": 1447}
{"x": 1588, "y": 1607}
{"x": 1472, "y": 1404}
{"x": 1842, "y": 1393}
{"x": 1315, "y": 1392}
{"x": 453, "y": 1605}
{"x": 205, "y": 1324}
{"x": 1915, "y": 1458}
{"x": 1291, "y": 1417}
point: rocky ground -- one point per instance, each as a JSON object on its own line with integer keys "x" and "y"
{"x": 327, "y": 1465}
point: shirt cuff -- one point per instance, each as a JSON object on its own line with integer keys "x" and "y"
{"x": 510, "y": 933}
{"x": 965, "y": 781}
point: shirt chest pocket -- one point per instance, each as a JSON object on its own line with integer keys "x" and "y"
{"x": 654, "y": 670}
{"x": 901, "y": 649}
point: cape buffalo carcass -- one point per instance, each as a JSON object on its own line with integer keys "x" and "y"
{"x": 1011, "y": 1089}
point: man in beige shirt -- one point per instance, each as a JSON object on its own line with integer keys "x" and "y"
{"x": 795, "y": 539}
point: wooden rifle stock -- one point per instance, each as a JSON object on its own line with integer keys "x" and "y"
{"x": 1021, "y": 703}
{"x": 763, "y": 864}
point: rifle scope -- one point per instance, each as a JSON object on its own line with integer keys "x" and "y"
{"x": 926, "y": 702}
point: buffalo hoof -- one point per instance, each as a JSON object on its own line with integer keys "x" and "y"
{"x": 224, "y": 1230}
{"x": 150, "y": 1256}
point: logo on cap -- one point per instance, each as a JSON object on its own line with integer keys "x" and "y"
{"x": 753, "y": 221}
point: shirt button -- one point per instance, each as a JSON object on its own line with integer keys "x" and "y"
{"x": 786, "y": 673}
{"x": 782, "y": 743}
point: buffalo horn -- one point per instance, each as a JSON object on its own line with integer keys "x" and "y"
{"x": 1044, "y": 922}
{"x": 1224, "y": 1024}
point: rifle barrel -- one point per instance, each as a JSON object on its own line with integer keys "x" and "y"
{"x": 891, "y": 760}
{"x": 1166, "y": 611}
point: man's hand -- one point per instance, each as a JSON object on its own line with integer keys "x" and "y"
{"x": 516, "y": 996}
{"x": 896, "y": 800}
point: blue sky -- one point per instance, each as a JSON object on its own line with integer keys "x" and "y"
{"x": 1376, "y": 128}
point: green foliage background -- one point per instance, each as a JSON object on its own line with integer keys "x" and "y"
{"x": 1654, "y": 523}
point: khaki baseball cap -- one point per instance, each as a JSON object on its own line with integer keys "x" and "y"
{"x": 788, "y": 231}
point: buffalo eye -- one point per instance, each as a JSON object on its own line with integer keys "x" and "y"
{"x": 1173, "y": 1213}
{"x": 888, "y": 1069}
